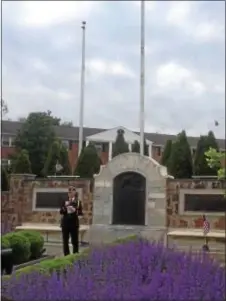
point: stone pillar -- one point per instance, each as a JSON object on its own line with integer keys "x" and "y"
{"x": 150, "y": 150}
{"x": 130, "y": 147}
{"x": 110, "y": 151}
{"x": 20, "y": 197}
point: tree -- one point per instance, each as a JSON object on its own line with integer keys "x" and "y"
{"x": 166, "y": 153}
{"x": 88, "y": 162}
{"x": 22, "y": 163}
{"x": 36, "y": 136}
{"x": 67, "y": 123}
{"x": 120, "y": 146}
{"x": 180, "y": 161}
{"x": 136, "y": 147}
{"x": 57, "y": 154}
{"x": 201, "y": 166}
{"x": 216, "y": 160}
{"x": 4, "y": 180}
{"x": 4, "y": 107}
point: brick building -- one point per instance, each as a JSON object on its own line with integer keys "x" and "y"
{"x": 102, "y": 138}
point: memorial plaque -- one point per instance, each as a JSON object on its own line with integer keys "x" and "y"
{"x": 205, "y": 202}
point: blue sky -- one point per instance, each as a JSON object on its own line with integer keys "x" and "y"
{"x": 185, "y": 62}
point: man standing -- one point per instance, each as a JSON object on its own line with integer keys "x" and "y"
{"x": 70, "y": 211}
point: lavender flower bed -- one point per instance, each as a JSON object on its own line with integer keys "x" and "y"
{"x": 132, "y": 271}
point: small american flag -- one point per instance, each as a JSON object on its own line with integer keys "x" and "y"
{"x": 206, "y": 227}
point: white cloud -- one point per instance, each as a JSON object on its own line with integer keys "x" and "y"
{"x": 182, "y": 15}
{"x": 39, "y": 65}
{"x": 179, "y": 12}
{"x": 43, "y": 13}
{"x": 206, "y": 32}
{"x": 149, "y": 5}
{"x": 172, "y": 76}
{"x": 104, "y": 67}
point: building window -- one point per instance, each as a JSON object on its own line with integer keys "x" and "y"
{"x": 159, "y": 151}
{"x": 65, "y": 143}
{"x": 5, "y": 162}
{"x": 5, "y": 141}
{"x": 99, "y": 147}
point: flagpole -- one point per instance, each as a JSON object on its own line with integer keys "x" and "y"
{"x": 81, "y": 113}
{"x": 142, "y": 75}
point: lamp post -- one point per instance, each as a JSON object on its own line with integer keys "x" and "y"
{"x": 81, "y": 110}
{"x": 142, "y": 75}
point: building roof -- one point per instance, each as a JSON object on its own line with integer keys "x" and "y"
{"x": 72, "y": 133}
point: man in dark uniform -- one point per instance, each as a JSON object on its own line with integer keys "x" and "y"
{"x": 70, "y": 211}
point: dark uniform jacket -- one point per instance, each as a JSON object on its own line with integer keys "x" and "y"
{"x": 71, "y": 219}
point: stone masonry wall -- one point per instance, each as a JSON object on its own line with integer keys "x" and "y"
{"x": 175, "y": 220}
{"x": 17, "y": 208}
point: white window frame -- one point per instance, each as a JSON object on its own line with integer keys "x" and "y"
{"x": 5, "y": 162}
{"x": 35, "y": 190}
{"x": 197, "y": 191}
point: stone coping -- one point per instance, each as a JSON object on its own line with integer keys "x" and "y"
{"x": 47, "y": 227}
{"x": 196, "y": 233}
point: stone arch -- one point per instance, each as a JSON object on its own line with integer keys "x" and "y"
{"x": 129, "y": 198}
{"x": 155, "y": 204}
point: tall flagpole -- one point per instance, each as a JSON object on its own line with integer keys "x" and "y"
{"x": 81, "y": 113}
{"x": 142, "y": 75}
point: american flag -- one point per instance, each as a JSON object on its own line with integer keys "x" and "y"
{"x": 206, "y": 227}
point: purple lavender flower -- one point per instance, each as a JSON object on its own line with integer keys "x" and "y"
{"x": 133, "y": 271}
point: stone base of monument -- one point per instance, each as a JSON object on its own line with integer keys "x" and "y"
{"x": 100, "y": 234}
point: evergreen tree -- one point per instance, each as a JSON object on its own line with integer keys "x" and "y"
{"x": 53, "y": 158}
{"x": 4, "y": 180}
{"x": 201, "y": 167}
{"x": 88, "y": 162}
{"x": 136, "y": 147}
{"x": 166, "y": 153}
{"x": 57, "y": 154}
{"x": 64, "y": 161}
{"x": 180, "y": 161}
{"x": 21, "y": 163}
{"x": 120, "y": 146}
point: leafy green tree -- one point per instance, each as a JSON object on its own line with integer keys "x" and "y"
{"x": 120, "y": 146}
{"x": 216, "y": 160}
{"x": 21, "y": 163}
{"x": 4, "y": 180}
{"x": 166, "y": 153}
{"x": 36, "y": 136}
{"x": 136, "y": 147}
{"x": 57, "y": 157}
{"x": 201, "y": 166}
{"x": 180, "y": 161}
{"x": 88, "y": 162}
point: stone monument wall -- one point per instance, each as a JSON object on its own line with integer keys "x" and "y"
{"x": 17, "y": 204}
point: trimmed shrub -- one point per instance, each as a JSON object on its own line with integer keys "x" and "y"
{"x": 20, "y": 247}
{"x": 5, "y": 244}
{"x": 37, "y": 242}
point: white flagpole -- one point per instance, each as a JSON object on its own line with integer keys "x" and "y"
{"x": 81, "y": 113}
{"x": 142, "y": 76}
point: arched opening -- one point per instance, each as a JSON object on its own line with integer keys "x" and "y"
{"x": 129, "y": 195}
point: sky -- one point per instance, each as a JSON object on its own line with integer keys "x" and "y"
{"x": 184, "y": 63}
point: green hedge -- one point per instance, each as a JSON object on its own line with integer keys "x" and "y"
{"x": 26, "y": 245}
{"x": 60, "y": 264}
{"x": 20, "y": 247}
{"x": 5, "y": 244}
{"x": 37, "y": 243}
